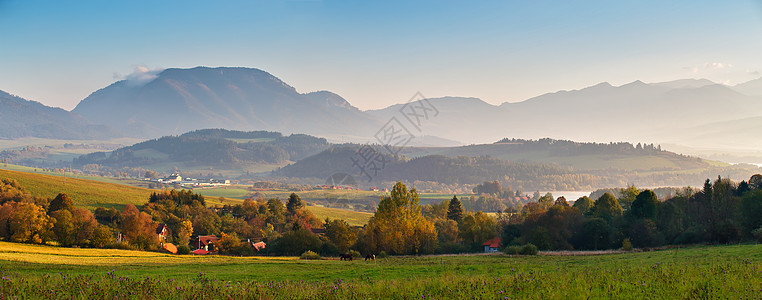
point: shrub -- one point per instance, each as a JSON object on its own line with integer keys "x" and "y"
{"x": 355, "y": 254}
{"x": 626, "y": 245}
{"x": 329, "y": 249}
{"x": 382, "y": 254}
{"x": 183, "y": 249}
{"x": 512, "y": 250}
{"x": 309, "y": 254}
{"x": 528, "y": 249}
{"x": 757, "y": 234}
{"x": 688, "y": 237}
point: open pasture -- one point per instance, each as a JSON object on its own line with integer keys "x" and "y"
{"x": 697, "y": 272}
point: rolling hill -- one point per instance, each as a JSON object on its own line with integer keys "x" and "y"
{"x": 91, "y": 194}
{"x": 526, "y": 165}
{"x": 215, "y": 148}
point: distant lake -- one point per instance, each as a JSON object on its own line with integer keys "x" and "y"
{"x": 756, "y": 164}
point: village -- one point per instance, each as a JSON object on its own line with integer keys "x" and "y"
{"x": 176, "y": 178}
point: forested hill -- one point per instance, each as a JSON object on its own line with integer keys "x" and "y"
{"x": 544, "y": 164}
{"x": 577, "y": 155}
{"x": 435, "y": 168}
{"x": 219, "y": 147}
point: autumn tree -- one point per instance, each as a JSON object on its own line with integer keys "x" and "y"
{"x": 62, "y": 201}
{"x": 607, "y": 207}
{"x": 102, "y": 237}
{"x": 398, "y": 227}
{"x": 340, "y": 234}
{"x": 11, "y": 190}
{"x": 25, "y": 222}
{"x": 627, "y": 196}
{"x": 63, "y": 227}
{"x": 477, "y": 228}
{"x": 185, "y": 233}
{"x": 138, "y": 228}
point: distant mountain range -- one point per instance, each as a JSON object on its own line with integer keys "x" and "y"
{"x": 22, "y": 118}
{"x": 180, "y": 100}
{"x": 692, "y": 112}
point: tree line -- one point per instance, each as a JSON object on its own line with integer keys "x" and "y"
{"x": 722, "y": 211}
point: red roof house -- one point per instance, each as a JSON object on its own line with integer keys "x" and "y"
{"x": 205, "y": 241}
{"x": 200, "y": 252}
{"x": 492, "y": 245}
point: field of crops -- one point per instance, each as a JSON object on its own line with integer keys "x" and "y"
{"x": 699, "y": 272}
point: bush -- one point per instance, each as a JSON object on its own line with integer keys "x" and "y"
{"x": 309, "y": 254}
{"x": 382, "y": 254}
{"x": 329, "y": 249}
{"x": 355, "y": 254}
{"x": 626, "y": 245}
{"x": 528, "y": 249}
{"x": 512, "y": 250}
{"x": 183, "y": 249}
{"x": 688, "y": 237}
{"x": 757, "y": 234}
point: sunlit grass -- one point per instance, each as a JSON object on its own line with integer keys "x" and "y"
{"x": 697, "y": 272}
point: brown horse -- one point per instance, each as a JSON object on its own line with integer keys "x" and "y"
{"x": 345, "y": 256}
{"x": 370, "y": 256}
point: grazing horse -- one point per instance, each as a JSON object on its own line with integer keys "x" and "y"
{"x": 345, "y": 256}
{"x": 370, "y": 256}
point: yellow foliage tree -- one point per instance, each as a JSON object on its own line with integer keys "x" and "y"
{"x": 398, "y": 227}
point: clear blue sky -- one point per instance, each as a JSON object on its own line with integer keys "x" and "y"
{"x": 376, "y": 53}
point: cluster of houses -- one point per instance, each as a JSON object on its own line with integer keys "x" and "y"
{"x": 342, "y": 187}
{"x": 175, "y": 178}
{"x": 204, "y": 244}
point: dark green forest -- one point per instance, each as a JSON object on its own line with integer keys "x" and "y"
{"x": 211, "y": 146}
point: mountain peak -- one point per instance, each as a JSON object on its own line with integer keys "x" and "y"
{"x": 752, "y": 87}
{"x": 180, "y": 100}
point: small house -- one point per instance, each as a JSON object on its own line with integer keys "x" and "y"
{"x": 206, "y": 242}
{"x": 492, "y": 245}
{"x": 163, "y": 232}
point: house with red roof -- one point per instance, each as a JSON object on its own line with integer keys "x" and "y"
{"x": 206, "y": 242}
{"x": 492, "y": 245}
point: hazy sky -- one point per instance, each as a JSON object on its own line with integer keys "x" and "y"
{"x": 376, "y": 53}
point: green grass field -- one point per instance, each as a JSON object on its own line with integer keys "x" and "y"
{"x": 31, "y": 271}
{"x": 84, "y": 192}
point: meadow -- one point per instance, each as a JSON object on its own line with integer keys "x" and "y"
{"x": 31, "y": 271}
{"x": 92, "y": 192}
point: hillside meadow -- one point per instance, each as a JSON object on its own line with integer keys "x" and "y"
{"x": 90, "y": 193}
{"x": 31, "y": 271}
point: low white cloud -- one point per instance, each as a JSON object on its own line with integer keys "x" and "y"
{"x": 717, "y": 65}
{"x": 753, "y": 73}
{"x": 140, "y": 75}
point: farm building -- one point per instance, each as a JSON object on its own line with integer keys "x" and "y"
{"x": 163, "y": 232}
{"x": 492, "y": 245}
{"x": 206, "y": 242}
